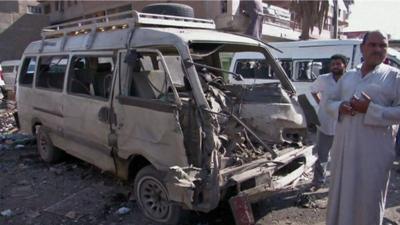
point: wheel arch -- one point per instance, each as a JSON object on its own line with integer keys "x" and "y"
{"x": 136, "y": 163}
{"x": 35, "y": 122}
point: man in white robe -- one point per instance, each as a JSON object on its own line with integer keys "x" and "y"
{"x": 367, "y": 105}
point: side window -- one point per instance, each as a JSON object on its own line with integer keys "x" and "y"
{"x": 51, "y": 72}
{"x": 91, "y": 75}
{"x": 148, "y": 78}
{"x": 321, "y": 66}
{"x": 287, "y": 67}
{"x": 303, "y": 69}
{"x": 254, "y": 69}
{"x": 309, "y": 70}
{"x": 8, "y": 69}
{"x": 174, "y": 63}
{"x": 27, "y": 71}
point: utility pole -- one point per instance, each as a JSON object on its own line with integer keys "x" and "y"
{"x": 335, "y": 19}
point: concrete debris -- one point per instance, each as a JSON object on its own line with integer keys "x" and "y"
{"x": 33, "y": 214}
{"x": 4, "y": 147}
{"x": 123, "y": 210}
{"x": 57, "y": 171}
{"x": 9, "y": 136}
{"x": 7, "y": 122}
{"x": 23, "y": 182}
{"x": 16, "y": 140}
{"x": 71, "y": 215}
{"x": 21, "y": 191}
{"x": 308, "y": 201}
{"x": 7, "y": 213}
{"x": 19, "y": 146}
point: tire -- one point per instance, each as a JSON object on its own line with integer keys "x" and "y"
{"x": 172, "y": 9}
{"x": 152, "y": 197}
{"x": 47, "y": 151}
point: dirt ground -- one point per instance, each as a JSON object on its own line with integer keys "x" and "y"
{"x": 75, "y": 193}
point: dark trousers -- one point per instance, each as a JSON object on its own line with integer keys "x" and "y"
{"x": 322, "y": 147}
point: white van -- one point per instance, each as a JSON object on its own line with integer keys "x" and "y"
{"x": 143, "y": 96}
{"x": 299, "y": 57}
{"x": 10, "y": 70}
{"x": 304, "y": 61}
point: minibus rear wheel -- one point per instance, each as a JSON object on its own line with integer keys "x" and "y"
{"x": 47, "y": 151}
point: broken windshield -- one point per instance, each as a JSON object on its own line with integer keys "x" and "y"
{"x": 253, "y": 63}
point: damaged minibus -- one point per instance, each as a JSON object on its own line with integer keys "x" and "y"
{"x": 144, "y": 97}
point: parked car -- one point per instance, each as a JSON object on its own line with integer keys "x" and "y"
{"x": 143, "y": 96}
{"x": 10, "y": 69}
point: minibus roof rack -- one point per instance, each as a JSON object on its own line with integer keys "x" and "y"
{"x": 123, "y": 20}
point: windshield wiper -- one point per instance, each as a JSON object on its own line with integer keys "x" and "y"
{"x": 236, "y": 76}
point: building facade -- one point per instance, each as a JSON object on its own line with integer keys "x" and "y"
{"x": 279, "y": 22}
{"x": 20, "y": 24}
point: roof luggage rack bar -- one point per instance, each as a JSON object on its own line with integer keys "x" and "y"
{"x": 124, "y": 20}
{"x": 176, "y": 21}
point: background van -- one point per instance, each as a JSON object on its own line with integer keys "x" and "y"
{"x": 10, "y": 70}
{"x": 304, "y": 61}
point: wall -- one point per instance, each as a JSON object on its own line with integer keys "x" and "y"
{"x": 75, "y": 10}
{"x": 16, "y": 37}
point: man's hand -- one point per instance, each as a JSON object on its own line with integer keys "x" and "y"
{"x": 316, "y": 97}
{"x": 360, "y": 105}
{"x": 346, "y": 109}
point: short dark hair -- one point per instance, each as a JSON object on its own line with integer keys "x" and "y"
{"x": 368, "y": 33}
{"x": 341, "y": 57}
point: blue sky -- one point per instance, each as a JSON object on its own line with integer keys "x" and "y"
{"x": 376, "y": 14}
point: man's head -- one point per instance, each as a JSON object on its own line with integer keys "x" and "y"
{"x": 374, "y": 48}
{"x": 338, "y": 64}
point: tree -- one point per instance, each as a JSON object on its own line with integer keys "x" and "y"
{"x": 310, "y": 13}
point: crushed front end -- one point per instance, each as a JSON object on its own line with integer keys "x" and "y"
{"x": 250, "y": 138}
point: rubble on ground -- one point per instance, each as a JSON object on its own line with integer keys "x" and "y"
{"x": 8, "y": 124}
{"x": 10, "y": 138}
{"x": 6, "y": 213}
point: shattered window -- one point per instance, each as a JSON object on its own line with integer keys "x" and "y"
{"x": 51, "y": 72}
{"x": 174, "y": 64}
{"x": 227, "y": 61}
{"x": 91, "y": 75}
{"x": 28, "y": 70}
{"x": 147, "y": 78}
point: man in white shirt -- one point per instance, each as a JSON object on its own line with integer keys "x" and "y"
{"x": 321, "y": 87}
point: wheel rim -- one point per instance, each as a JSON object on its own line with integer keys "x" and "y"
{"x": 153, "y": 198}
